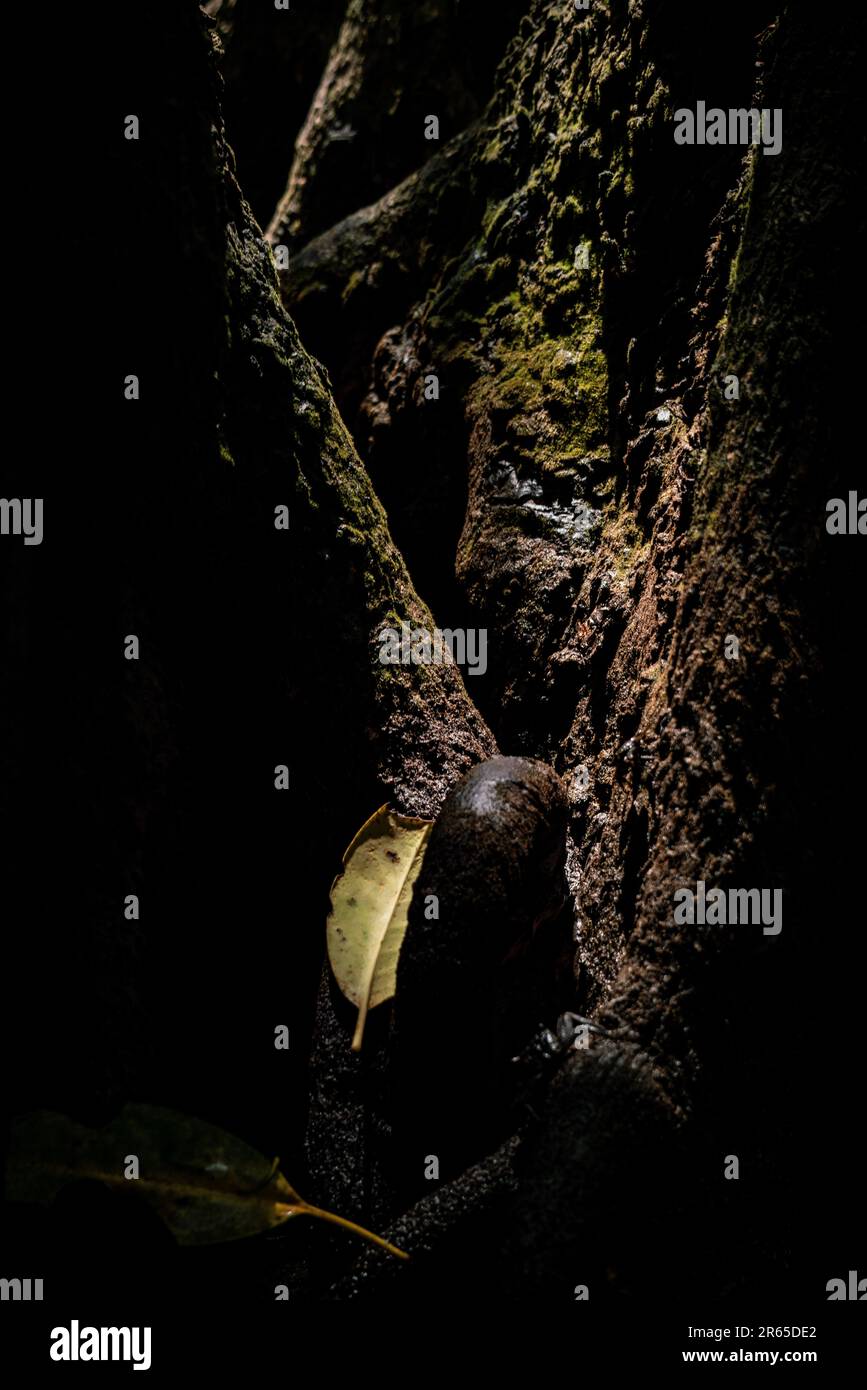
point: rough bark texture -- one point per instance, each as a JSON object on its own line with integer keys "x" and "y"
{"x": 259, "y": 647}
{"x": 393, "y": 66}
{"x": 581, "y": 489}
{"x": 623, "y": 520}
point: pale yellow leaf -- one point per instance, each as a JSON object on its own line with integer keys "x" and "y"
{"x": 369, "y": 906}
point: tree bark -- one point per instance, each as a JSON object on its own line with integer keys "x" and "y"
{"x": 582, "y": 488}
{"x": 624, "y": 519}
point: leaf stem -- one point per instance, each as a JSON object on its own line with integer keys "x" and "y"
{"x": 362, "y": 1019}
{"x": 304, "y": 1210}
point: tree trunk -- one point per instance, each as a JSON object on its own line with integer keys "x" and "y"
{"x": 596, "y": 403}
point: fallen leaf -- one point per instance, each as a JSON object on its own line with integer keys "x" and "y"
{"x": 369, "y": 905}
{"x": 205, "y": 1184}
